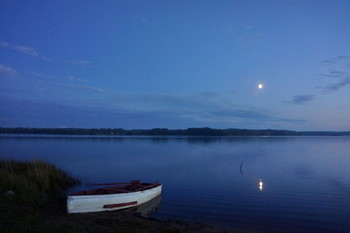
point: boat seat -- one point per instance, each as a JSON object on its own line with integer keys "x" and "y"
{"x": 114, "y": 190}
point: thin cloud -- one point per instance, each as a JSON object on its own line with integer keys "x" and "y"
{"x": 336, "y": 86}
{"x": 7, "y": 72}
{"x": 78, "y": 62}
{"x": 4, "y": 44}
{"x": 202, "y": 107}
{"x": 169, "y": 102}
{"x": 338, "y": 78}
{"x": 85, "y": 88}
{"x": 26, "y": 50}
{"x": 334, "y": 74}
{"x": 55, "y": 114}
{"x": 335, "y": 60}
{"x": 75, "y": 79}
{"x": 252, "y": 114}
{"x": 41, "y": 75}
{"x": 46, "y": 58}
{"x": 36, "y": 74}
{"x": 302, "y": 99}
{"x": 141, "y": 19}
{"x": 130, "y": 110}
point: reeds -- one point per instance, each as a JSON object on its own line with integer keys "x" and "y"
{"x": 30, "y": 182}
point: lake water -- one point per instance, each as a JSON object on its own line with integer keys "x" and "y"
{"x": 215, "y": 180}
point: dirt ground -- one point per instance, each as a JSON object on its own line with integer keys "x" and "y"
{"x": 124, "y": 221}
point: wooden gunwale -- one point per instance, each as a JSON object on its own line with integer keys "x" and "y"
{"x": 117, "y": 189}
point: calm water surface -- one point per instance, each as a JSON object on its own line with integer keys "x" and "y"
{"x": 305, "y": 180}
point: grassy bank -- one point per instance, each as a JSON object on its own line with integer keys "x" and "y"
{"x": 31, "y": 183}
{"x": 32, "y": 199}
{"x": 32, "y": 195}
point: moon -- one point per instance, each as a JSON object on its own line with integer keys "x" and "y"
{"x": 260, "y": 86}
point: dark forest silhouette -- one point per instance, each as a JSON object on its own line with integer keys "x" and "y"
{"x": 205, "y": 131}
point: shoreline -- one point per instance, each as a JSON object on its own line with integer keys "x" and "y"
{"x": 204, "y": 131}
{"x": 33, "y": 199}
{"x": 127, "y": 221}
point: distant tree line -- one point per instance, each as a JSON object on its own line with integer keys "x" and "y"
{"x": 205, "y": 131}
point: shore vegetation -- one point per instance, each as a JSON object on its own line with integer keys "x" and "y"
{"x": 33, "y": 199}
{"x": 205, "y": 131}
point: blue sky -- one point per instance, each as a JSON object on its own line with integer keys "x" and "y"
{"x": 175, "y": 64}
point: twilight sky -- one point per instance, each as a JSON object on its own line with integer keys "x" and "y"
{"x": 175, "y": 64}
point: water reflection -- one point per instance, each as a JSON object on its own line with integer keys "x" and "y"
{"x": 261, "y": 185}
{"x": 148, "y": 208}
{"x": 156, "y": 139}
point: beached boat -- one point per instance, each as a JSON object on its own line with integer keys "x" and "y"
{"x": 113, "y": 196}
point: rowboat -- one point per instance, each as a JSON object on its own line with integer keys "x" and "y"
{"x": 114, "y": 196}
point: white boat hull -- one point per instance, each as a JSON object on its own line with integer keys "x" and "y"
{"x": 110, "y": 202}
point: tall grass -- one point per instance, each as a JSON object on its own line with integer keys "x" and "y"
{"x": 28, "y": 204}
{"x": 30, "y": 182}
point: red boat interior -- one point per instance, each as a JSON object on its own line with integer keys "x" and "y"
{"x": 115, "y": 188}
